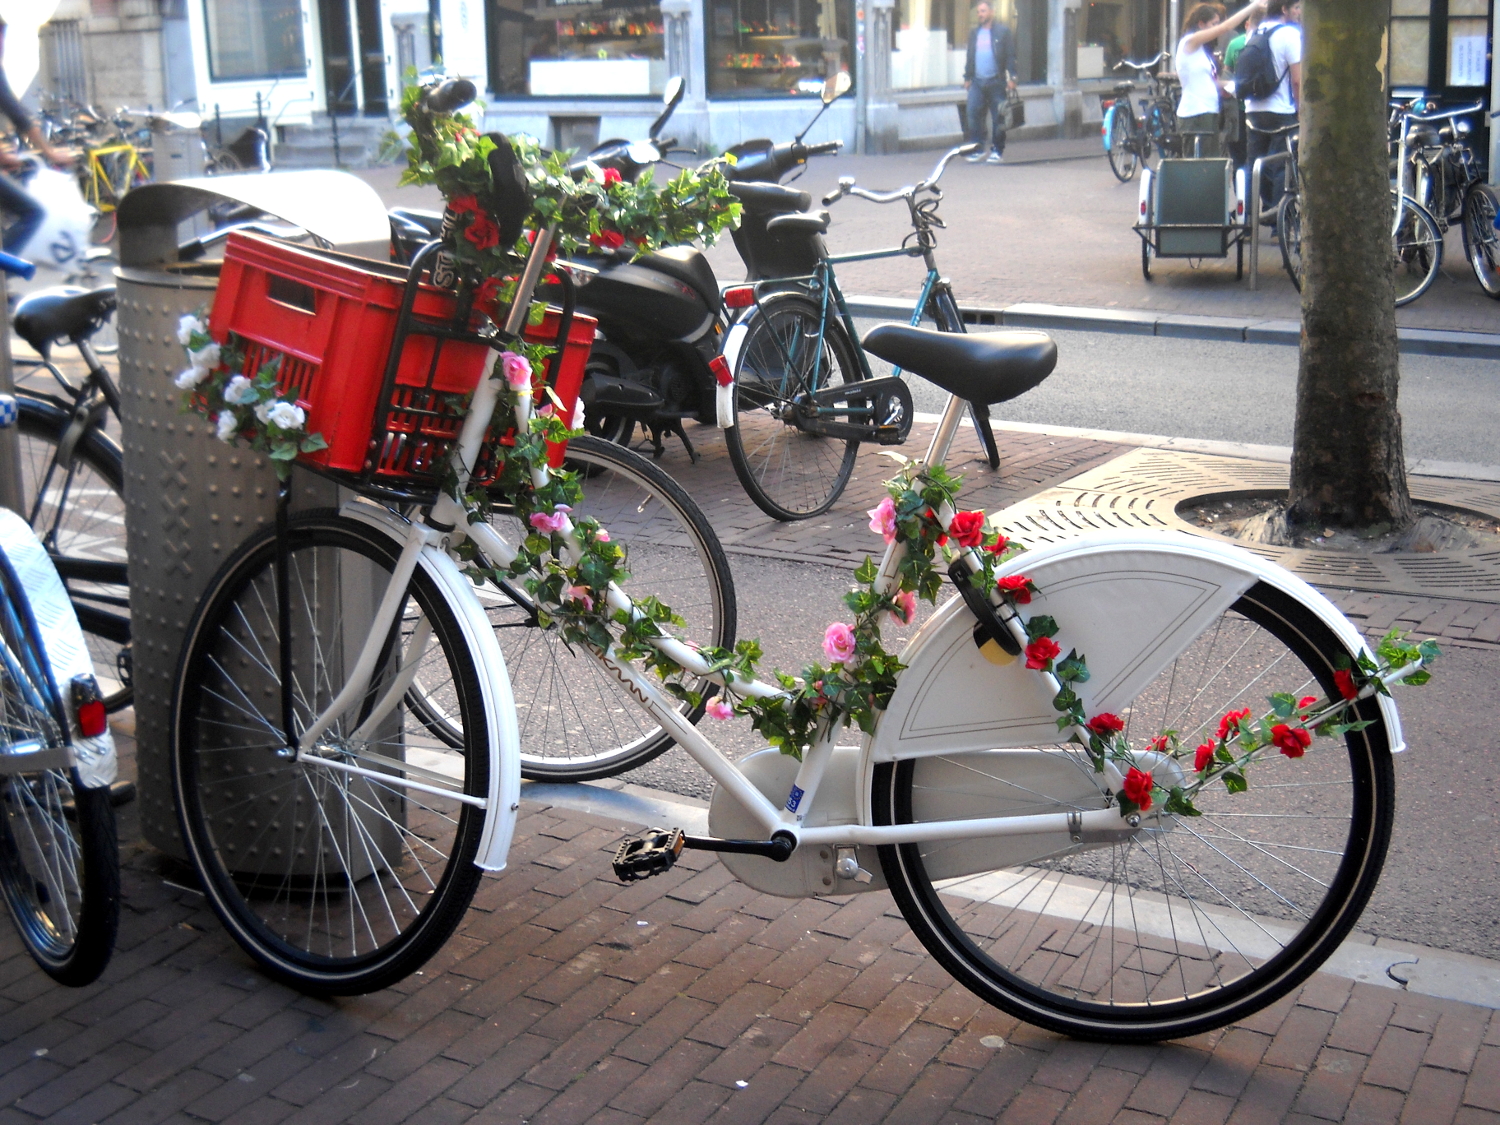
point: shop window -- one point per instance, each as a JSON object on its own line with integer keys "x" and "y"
{"x": 254, "y": 39}
{"x": 561, "y": 50}
{"x": 776, "y": 47}
{"x": 929, "y": 38}
{"x": 1409, "y": 42}
{"x": 1468, "y": 43}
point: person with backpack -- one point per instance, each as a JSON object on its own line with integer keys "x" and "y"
{"x": 1198, "y": 108}
{"x": 1268, "y": 75}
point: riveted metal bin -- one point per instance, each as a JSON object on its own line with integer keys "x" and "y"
{"x": 190, "y": 499}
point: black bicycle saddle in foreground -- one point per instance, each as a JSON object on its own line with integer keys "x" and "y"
{"x": 985, "y": 368}
{"x": 62, "y": 313}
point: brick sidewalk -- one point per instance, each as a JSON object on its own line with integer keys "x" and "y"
{"x": 568, "y": 998}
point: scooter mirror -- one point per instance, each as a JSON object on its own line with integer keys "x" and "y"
{"x": 836, "y": 87}
{"x": 676, "y": 88}
{"x": 642, "y": 152}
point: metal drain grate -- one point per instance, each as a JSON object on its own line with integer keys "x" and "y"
{"x": 1142, "y": 489}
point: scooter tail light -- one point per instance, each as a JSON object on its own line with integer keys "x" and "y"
{"x": 740, "y": 297}
{"x": 720, "y": 367}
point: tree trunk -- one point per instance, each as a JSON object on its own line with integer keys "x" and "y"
{"x": 1348, "y": 467}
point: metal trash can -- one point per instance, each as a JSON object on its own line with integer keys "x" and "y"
{"x": 191, "y": 500}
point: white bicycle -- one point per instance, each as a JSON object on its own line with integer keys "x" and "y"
{"x": 347, "y": 759}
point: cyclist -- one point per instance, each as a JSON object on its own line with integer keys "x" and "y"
{"x": 1198, "y": 109}
{"x": 25, "y": 212}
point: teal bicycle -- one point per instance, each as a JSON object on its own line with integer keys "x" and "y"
{"x": 802, "y": 397}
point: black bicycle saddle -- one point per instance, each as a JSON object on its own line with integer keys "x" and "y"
{"x": 985, "y": 368}
{"x": 64, "y": 312}
{"x": 814, "y": 222}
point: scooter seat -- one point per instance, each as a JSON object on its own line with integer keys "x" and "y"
{"x": 984, "y": 368}
{"x": 769, "y": 197}
{"x": 64, "y": 312}
{"x": 688, "y": 266}
{"x": 815, "y": 222}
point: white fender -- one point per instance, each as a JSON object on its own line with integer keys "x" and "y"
{"x": 724, "y": 396}
{"x": 504, "y": 795}
{"x": 1144, "y": 214}
{"x": 1130, "y": 602}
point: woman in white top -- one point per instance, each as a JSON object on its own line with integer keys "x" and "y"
{"x": 1198, "y": 109}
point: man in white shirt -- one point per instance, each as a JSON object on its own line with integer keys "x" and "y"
{"x": 1283, "y": 23}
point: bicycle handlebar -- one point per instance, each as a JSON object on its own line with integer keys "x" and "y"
{"x": 19, "y": 267}
{"x": 847, "y": 185}
{"x": 1161, "y": 56}
{"x": 1475, "y": 108}
{"x": 448, "y": 96}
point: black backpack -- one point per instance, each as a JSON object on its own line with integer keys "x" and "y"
{"x": 1255, "y": 70}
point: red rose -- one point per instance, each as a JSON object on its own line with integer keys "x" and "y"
{"x": 1041, "y": 652}
{"x": 1291, "y": 741}
{"x": 1304, "y": 703}
{"x": 1105, "y": 723}
{"x": 1016, "y": 585}
{"x": 1138, "y": 786}
{"x": 1231, "y": 721}
{"x": 611, "y": 176}
{"x": 1159, "y": 743}
{"x": 608, "y": 239}
{"x": 1203, "y": 757}
{"x": 482, "y": 233}
{"x": 998, "y": 546}
{"x": 464, "y": 203}
{"x": 1344, "y": 680}
{"x": 488, "y": 293}
{"x": 967, "y": 528}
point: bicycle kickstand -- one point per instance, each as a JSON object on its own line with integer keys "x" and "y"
{"x": 981, "y": 416}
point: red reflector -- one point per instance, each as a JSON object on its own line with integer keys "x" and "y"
{"x": 92, "y": 720}
{"x": 720, "y": 367}
{"x": 741, "y": 297}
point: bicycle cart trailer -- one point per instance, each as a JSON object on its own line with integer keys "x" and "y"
{"x": 1192, "y": 208}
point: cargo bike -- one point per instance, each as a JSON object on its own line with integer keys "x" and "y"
{"x": 347, "y": 759}
{"x": 1193, "y": 208}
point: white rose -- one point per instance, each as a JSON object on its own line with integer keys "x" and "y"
{"x": 239, "y": 390}
{"x": 263, "y": 410}
{"x": 190, "y": 378}
{"x": 286, "y": 416}
{"x": 227, "y": 425}
{"x": 576, "y": 422}
{"x": 206, "y": 357}
{"x": 186, "y": 327}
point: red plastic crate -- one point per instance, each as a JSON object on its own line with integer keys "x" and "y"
{"x": 332, "y": 318}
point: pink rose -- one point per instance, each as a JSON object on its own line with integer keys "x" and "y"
{"x": 517, "y": 369}
{"x": 603, "y": 536}
{"x": 551, "y": 524}
{"x": 906, "y": 607}
{"x": 883, "y": 519}
{"x": 720, "y": 709}
{"x": 838, "y": 642}
{"x": 579, "y": 594}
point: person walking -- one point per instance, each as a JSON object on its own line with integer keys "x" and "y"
{"x": 25, "y": 212}
{"x": 989, "y": 77}
{"x": 1283, "y": 29}
{"x": 1197, "y": 70}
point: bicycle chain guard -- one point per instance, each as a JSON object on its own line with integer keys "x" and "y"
{"x": 888, "y": 401}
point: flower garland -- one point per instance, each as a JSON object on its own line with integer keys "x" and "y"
{"x": 242, "y": 407}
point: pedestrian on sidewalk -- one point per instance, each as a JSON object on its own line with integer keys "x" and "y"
{"x": 989, "y": 77}
{"x": 1283, "y": 28}
{"x": 1198, "y": 71}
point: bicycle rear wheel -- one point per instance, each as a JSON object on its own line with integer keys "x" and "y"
{"x": 1481, "y": 240}
{"x": 76, "y": 506}
{"x": 335, "y": 882}
{"x": 788, "y": 353}
{"x": 59, "y": 859}
{"x": 1289, "y": 234}
{"x": 1417, "y": 245}
{"x": 1120, "y": 145}
{"x": 1191, "y": 923}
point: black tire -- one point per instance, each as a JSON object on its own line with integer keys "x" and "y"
{"x": 81, "y": 515}
{"x": 789, "y": 473}
{"x": 59, "y": 856}
{"x": 334, "y": 882}
{"x": 1417, "y": 245}
{"x": 1151, "y": 938}
{"x": 1121, "y": 148}
{"x": 1481, "y": 239}
{"x": 1289, "y": 235}
{"x": 1146, "y": 258}
{"x": 577, "y": 721}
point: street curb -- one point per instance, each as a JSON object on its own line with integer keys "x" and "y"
{"x": 1187, "y": 326}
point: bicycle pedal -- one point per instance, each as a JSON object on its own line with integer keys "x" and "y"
{"x": 648, "y": 855}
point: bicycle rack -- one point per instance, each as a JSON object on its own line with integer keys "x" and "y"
{"x": 1253, "y": 204}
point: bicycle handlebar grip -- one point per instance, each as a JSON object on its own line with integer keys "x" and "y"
{"x": 448, "y": 96}
{"x": 19, "y": 267}
{"x": 825, "y": 147}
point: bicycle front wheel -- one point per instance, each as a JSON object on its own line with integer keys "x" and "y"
{"x": 577, "y": 720}
{"x": 1193, "y": 922}
{"x": 789, "y": 352}
{"x": 1481, "y": 240}
{"x": 1120, "y": 144}
{"x": 1289, "y": 234}
{"x": 335, "y": 881}
{"x": 59, "y": 859}
{"x": 76, "y": 506}
{"x": 1417, "y": 245}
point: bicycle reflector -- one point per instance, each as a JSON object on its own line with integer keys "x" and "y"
{"x": 720, "y": 367}
{"x": 88, "y": 704}
{"x": 740, "y": 297}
